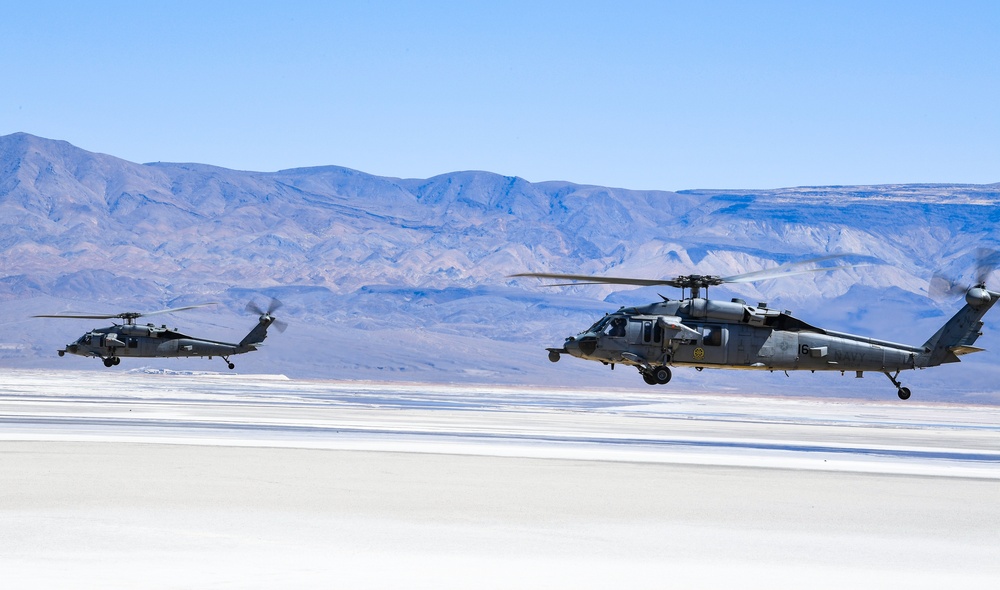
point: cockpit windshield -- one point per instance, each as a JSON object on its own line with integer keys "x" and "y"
{"x": 600, "y": 324}
{"x": 611, "y": 325}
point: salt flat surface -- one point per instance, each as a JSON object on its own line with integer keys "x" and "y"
{"x": 123, "y": 480}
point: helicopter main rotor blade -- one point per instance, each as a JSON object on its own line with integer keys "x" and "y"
{"x": 593, "y": 280}
{"x": 77, "y": 316}
{"x": 124, "y": 315}
{"x": 784, "y": 270}
{"x": 149, "y": 313}
{"x": 790, "y": 269}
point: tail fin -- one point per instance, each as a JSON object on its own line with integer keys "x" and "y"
{"x": 258, "y": 334}
{"x": 958, "y": 336}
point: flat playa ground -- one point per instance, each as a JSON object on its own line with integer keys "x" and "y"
{"x": 117, "y": 480}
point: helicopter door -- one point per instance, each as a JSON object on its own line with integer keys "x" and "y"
{"x": 713, "y": 346}
{"x": 645, "y": 332}
{"x": 635, "y": 331}
{"x": 715, "y": 341}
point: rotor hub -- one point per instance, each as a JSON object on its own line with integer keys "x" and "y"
{"x": 978, "y": 296}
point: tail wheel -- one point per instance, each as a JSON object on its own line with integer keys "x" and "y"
{"x": 904, "y": 393}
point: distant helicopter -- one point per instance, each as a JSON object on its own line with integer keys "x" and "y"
{"x": 702, "y": 333}
{"x": 134, "y": 340}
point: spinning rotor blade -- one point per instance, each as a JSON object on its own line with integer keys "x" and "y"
{"x": 272, "y": 306}
{"x": 125, "y": 315}
{"x": 784, "y": 270}
{"x": 77, "y": 316}
{"x": 149, "y": 313}
{"x": 592, "y": 280}
{"x": 791, "y": 269}
{"x": 943, "y": 286}
{"x": 987, "y": 262}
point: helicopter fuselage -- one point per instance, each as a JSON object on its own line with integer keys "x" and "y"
{"x": 705, "y": 334}
{"x": 133, "y": 340}
{"x": 136, "y": 340}
{"x": 147, "y": 341}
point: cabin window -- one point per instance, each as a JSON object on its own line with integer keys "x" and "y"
{"x": 712, "y": 336}
{"x": 133, "y": 343}
{"x": 657, "y": 332}
{"x": 647, "y": 331}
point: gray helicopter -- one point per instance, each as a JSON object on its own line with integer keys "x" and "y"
{"x": 129, "y": 339}
{"x": 702, "y": 333}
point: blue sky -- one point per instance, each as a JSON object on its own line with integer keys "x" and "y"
{"x": 657, "y": 95}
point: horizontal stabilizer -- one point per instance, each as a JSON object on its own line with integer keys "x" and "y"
{"x": 960, "y": 350}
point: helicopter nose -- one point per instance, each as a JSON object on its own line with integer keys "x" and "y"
{"x": 582, "y": 346}
{"x": 572, "y": 347}
{"x": 588, "y": 344}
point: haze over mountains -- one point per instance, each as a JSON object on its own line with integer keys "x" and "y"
{"x": 387, "y": 278}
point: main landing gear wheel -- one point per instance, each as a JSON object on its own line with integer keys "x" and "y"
{"x": 662, "y": 375}
{"x": 904, "y": 393}
{"x": 112, "y": 361}
{"x": 657, "y": 376}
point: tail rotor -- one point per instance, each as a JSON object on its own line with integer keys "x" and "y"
{"x": 944, "y": 287}
{"x": 272, "y": 306}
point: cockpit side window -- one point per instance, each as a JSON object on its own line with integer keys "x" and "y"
{"x": 616, "y": 327}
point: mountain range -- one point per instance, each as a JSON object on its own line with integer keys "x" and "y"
{"x": 391, "y": 278}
